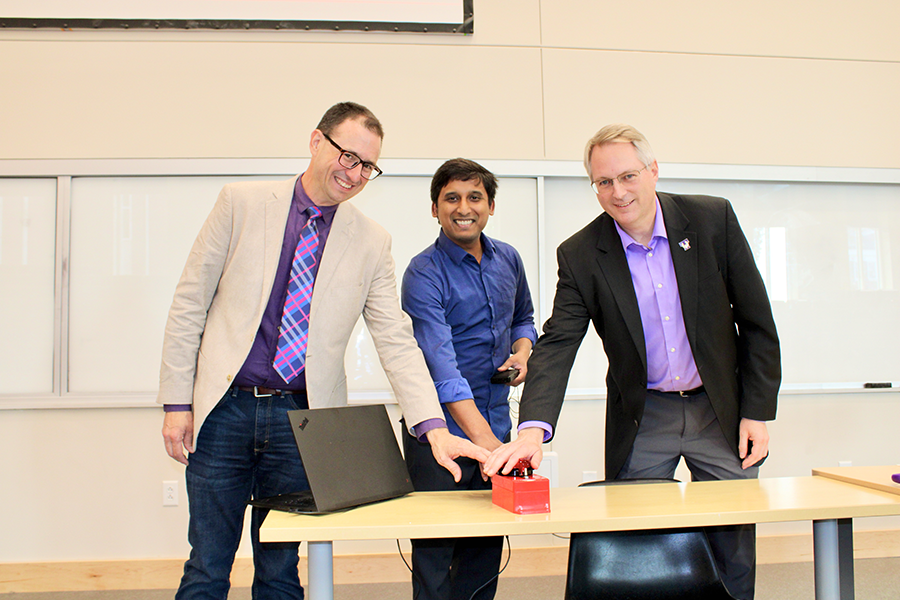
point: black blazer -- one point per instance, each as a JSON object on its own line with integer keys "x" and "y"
{"x": 726, "y": 313}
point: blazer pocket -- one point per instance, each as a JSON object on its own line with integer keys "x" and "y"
{"x": 703, "y": 279}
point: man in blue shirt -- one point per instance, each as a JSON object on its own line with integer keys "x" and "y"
{"x": 472, "y": 316}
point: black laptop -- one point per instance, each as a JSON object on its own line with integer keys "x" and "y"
{"x": 351, "y": 458}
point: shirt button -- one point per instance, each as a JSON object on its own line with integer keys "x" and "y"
{"x": 677, "y": 378}
{"x": 667, "y": 318}
{"x": 672, "y": 350}
{"x": 650, "y": 254}
{"x": 659, "y": 285}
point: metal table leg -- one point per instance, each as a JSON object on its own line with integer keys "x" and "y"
{"x": 320, "y": 571}
{"x": 833, "y": 554}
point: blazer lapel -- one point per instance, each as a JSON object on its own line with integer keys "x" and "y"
{"x": 339, "y": 239}
{"x": 685, "y": 260}
{"x": 614, "y": 266}
{"x": 277, "y": 208}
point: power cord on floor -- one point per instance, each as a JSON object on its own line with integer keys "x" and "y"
{"x": 414, "y": 574}
{"x": 484, "y": 585}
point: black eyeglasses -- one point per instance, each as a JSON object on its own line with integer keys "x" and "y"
{"x": 349, "y": 160}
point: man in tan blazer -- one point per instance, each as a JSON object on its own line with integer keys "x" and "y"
{"x": 226, "y": 402}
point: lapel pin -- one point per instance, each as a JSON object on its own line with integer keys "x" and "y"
{"x": 685, "y": 244}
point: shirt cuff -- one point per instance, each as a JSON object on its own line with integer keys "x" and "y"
{"x": 548, "y": 429}
{"x": 524, "y": 331}
{"x": 425, "y": 426}
{"x": 177, "y": 407}
{"x": 453, "y": 390}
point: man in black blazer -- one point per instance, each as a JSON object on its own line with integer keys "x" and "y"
{"x": 670, "y": 285}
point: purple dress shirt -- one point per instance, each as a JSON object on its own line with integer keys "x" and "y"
{"x": 670, "y": 362}
{"x": 257, "y": 368}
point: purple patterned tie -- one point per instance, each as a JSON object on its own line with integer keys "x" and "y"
{"x": 290, "y": 358}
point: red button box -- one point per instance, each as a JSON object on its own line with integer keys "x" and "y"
{"x": 526, "y": 495}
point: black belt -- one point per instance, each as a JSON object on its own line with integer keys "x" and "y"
{"x": 686, "y": 393}
{"x": 262, "y": 392}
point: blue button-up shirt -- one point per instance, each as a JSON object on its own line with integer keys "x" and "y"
{"x": 466, "y": 315}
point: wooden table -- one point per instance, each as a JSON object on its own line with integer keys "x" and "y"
{"x": 829, "y": 503}
{"x": 877, "y": 478}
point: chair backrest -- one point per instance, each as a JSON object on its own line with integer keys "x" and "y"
{"x": 674, "y": 564}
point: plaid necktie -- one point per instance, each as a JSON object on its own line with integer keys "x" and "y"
{"x": 290, "y": 357}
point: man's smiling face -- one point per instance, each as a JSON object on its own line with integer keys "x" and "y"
{"x": 463, "y": 209}
{"x": 633, "y": 206}
{"x": 326, "y": 181}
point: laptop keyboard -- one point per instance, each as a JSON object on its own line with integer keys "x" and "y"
{"x": 296, "y": 502}
{"x": 303, "y": 502}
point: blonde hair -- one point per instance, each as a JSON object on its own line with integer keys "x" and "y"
{"x": 619, "y": 132}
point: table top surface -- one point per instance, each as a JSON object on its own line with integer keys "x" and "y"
{"x": 612, "y": 508}
{"x": 877, "y": 478}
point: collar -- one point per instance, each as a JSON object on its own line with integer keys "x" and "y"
{"x": 302, "y": 201}
{"x": 456, "y": 253}
{"x": 659, "y": 229}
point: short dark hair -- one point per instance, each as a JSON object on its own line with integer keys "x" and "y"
{"x": 343, "y": 111}
{"x": 462, "y": 169}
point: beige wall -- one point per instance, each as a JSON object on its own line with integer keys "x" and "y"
{"x": 807, "y": 83}
{"x": 815, "y": 84}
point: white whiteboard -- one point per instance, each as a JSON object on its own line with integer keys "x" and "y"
{"x": 27, "y": 263}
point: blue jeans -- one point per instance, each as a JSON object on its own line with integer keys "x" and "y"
{"x": 245, "y": 449}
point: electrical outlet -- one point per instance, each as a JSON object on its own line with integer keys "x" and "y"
{"x": 170, "y": 493}
{"x": 588, "y": 476}
{"x": 845, "y": 463}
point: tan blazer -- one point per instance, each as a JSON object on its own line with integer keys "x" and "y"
{"x": 225, "y": 286}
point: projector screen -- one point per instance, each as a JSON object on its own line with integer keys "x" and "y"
{"x": 442, "y": 16}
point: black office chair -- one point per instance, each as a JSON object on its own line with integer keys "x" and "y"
{"x": 663, "y": 564}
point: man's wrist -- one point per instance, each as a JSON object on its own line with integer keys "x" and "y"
{"x": 421, "y": 429}
{"x": 545, "y": 427}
